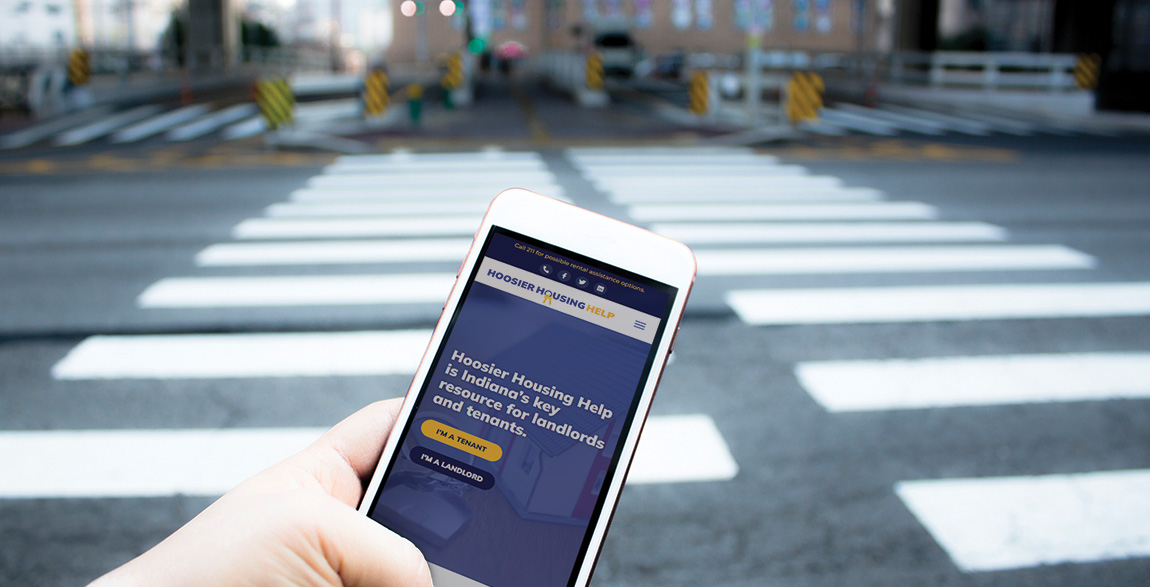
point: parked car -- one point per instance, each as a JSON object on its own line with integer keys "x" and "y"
{"x": 619, "y": 51}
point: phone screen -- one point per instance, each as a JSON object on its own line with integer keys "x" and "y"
{"x": 499, "y": 472}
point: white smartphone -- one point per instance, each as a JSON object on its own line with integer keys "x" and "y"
{"x": 517, "y": 432}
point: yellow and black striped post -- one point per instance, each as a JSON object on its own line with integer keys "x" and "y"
{"x": 698, "y": 94}
{"x": 453, "y": 77}
{"x": 275, "y": 100}
{"x": 1086, "y": 71}
{"x": 804, "y": 96}
{"x": 595, "y": 71}
{"x": 79, "y": 67}
{"x": 375, "y": 98}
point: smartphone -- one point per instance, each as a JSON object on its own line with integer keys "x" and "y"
{"x": 517, "y": 432}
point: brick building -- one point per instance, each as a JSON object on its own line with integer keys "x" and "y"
{"x": 658, "y": 26}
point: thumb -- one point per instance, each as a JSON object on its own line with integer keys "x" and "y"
{"x": 365, "y": 553}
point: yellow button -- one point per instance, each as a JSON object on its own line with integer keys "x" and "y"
{"x": 465, "y": 442}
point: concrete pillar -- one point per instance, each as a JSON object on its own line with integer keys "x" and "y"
{"x": 213, "y": 35}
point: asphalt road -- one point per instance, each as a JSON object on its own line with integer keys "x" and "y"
{"x": 814, "y": 501}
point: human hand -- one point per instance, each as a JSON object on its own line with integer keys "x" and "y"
{"x": 292, "y": 524}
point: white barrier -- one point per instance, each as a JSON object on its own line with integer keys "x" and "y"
{"x": 990, "y": 71}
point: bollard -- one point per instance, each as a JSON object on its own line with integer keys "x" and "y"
{"x": 276, "y": 101}
{"x": 594, "y": 71}
{"x": 375, "y": 98}
{"x": 451, "y": 79}
{"x": 1086, "y": 71}
{"x": 698, "y": 93}
{"x": 415, "y": 102}
{"x": 804, "y": 96}
{"x": 79, "y": 67}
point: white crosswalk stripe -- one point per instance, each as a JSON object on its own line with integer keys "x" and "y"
{"x": 717, "y": 233}
{"x": 158, "y": 124}
{"x": 994, "y": 524}
{"x": 211, "y": 122}
{"x": 106, "y": 463}
{"x": 280, "y": 228}
{"x": 304, "y": 290}
{"x": 895, "y": 384}
{"x": 784, "y": 211}
{"x": 333, "y": 252}
{"x": 889, "y": 259}
{"x": 104, "y": 126}
{"x": 218, "y": 356}
{"x": 984, "y": 524}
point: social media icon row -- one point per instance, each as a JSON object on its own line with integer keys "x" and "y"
{"x": 564, "y": 275}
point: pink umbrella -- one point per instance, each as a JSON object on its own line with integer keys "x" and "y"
{"x": 511, "y": 50}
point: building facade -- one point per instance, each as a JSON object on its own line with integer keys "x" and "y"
{"x": 658, "y": 26}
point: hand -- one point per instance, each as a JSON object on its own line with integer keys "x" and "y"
{"x": 292, "y": 524}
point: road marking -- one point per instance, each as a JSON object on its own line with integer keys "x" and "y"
{"x": 202, "y": 126}
{"x": 308, "y": 290}
{"x": 701, "y": 163}
{"x": 996, "y": 524}
{"x": 657, "y": 151}
{"x": 158, "y": 124}
{"x": 505, "y": 179}
{"x": 38, "y": 132}
{"x": 677, "y": 449}
{"x": 394, "y": 208}
{"x": 261, "y": 228}
{"x": 414, "y": 166}
{"x": 484, "y": 157}
{"x": 829, "y": 232}
{"x": 746, "y": 193}
{"x": 905, "y": 121}
{"x": 220, "y": 356}
{"x": 857, "y": 122}
{"x": 103, "y": 126}
{"x": 1003, "y": 124}
{"x": 821, "y": 211}
{"x": 245, "y": 128}
{"x": 747, "y": 172}
{"x": 333, "y": 252}
{"x": 414, "y": 193}
{"x": 954, "y": 123}
{"x": 160, "y": 463}
{"x": 907, "y": 384}
{"x": 701, "y": 186}
{"x": 932, "y": 303}
{"x": 889, "y": 259}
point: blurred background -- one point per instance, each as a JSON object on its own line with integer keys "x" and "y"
{"x": 916, "y": 352}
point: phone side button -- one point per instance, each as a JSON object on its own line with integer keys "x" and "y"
{"x": 674, "y": 337}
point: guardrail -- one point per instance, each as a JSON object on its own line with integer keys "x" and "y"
{"x": 989, "y": 71}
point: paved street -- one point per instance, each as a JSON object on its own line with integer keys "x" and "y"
{"x": 916, "y": 361}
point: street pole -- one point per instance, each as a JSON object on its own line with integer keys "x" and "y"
{"x": 336, "y": 60}
{"x": 422, "y": 53}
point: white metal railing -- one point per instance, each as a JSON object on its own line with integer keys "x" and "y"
{"x": 990, "y": 71}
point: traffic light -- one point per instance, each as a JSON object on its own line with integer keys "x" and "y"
{"x": 412, "y": 7}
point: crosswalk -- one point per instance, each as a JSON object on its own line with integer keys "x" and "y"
{"x": 229, "y": 122}
{"x": 780, "y": 220}
{"x": 750, "y": 218}
{"x": 316, "y": 227}
{"x": 153, "y": 122}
